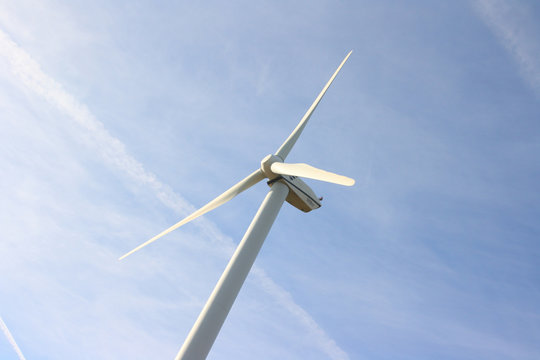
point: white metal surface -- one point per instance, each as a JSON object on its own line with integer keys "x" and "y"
{"x": 286, "y": 147}
{"x": 285, "y": 186}
{"x": 308, "y": 171}
{"x": 206, "y": 328}
{"x": 244, "y": 184}
{"x": 266, "y": 170}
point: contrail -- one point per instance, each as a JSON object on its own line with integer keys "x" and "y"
{"x": 511, "y": 23}
{"x": 11, "y": 340}
{"x": 114, "y": 153}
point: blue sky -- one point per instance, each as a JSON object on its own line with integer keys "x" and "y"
{"x": 118, "y": 118}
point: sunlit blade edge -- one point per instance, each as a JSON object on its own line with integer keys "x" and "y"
{"x": 286, "y": 147}
{"x": 308, "y": 171}
{"x": 244, "y": 184}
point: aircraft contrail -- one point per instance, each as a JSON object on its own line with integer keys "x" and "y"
{"x": 11, "y": 340}
{"x": 508, "y": 21}
{"x": 114, "y": 153}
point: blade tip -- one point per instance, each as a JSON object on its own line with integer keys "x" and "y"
{"x": 128, "y": 253}
{"x": 350, "y": 182}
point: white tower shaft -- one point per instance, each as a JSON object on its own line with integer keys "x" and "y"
{"x": 206, "y": 328}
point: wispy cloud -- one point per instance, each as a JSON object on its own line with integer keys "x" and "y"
{"x": 115, "y": 155}
{"x": 11, "y": 340}
{"x": 285, "y": 299}
{"x": 512, "y": 24}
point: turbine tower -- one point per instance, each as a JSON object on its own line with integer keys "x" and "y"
{"x": 285, "y": 185}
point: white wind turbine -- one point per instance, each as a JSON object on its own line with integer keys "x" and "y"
{"x": 284, "y": 185}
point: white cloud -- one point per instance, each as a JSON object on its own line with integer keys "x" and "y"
{"x": 514, "y": 27}
{"x": 11, "y": 340}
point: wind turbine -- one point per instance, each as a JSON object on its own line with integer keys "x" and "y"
{"x": 285, "y": 185}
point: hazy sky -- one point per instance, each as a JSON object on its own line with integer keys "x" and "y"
{"x": 117, "y": 118}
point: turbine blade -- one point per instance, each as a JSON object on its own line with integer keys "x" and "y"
{"x": 286, "y": 147}
{"x": 245, "y": 184}
{"x": 308, "y": 171}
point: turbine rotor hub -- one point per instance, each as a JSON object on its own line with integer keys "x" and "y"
{"x": 267, "y": 162}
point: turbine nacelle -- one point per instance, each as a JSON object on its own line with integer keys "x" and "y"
{"x": 300, "y": 194}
